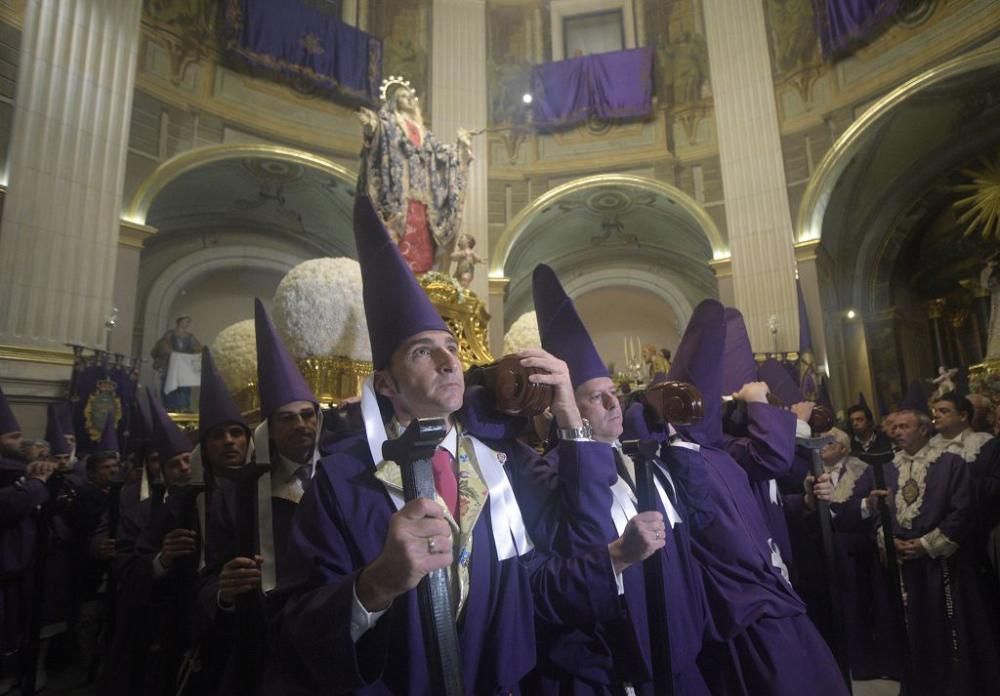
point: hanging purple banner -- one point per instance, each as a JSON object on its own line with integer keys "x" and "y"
{"x": 103, "y": 386}
{"x": 295, "y": 40}
{"x": 841, "y": 23}
{"x": 606, "y": 85}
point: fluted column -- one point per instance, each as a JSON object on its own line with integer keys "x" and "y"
{"x": 59, "y": 239}
{"x": 753, "y": 172}
{"x": 458, "y": 100}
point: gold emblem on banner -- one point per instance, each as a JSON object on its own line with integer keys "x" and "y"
{"x": 102, "y": 403}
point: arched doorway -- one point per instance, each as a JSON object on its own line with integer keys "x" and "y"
{"x": 881, "y": 205}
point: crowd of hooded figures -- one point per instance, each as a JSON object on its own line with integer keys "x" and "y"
{"x": 615, "y": 552}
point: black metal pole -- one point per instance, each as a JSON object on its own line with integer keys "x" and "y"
{"x": 412, "y": 451}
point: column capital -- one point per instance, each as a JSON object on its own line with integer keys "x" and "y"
{"x": 498, "y": 286}
{"x": 723, "y": 268}
{"x": 134, "y": 234}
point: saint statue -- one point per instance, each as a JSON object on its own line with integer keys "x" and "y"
{"x": 416, "y": 183}
{"x": 945, "y": 382}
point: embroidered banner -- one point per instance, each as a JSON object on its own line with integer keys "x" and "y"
{"x": 843, "y": 22}
{"x": 103, "y": 384}
{"x": 607, "y": 85}
{"x": 295, "y": 40}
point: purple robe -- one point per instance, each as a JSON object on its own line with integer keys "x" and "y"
{"x": 595, "y": 660}
{"x": 146, "y": 652}
{"x": 340, "y": 526}
{"x": 19, "y": 499}
{"x": 953, "y": 641}
{"x": 766, "y": 453}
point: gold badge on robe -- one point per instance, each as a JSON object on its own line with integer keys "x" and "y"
{"x": 911, "y": 491}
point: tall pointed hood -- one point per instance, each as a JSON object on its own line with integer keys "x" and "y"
{"x": 109, "y": 436}
{"x": 395, "y": 305}
{"x": 279, "y": 381}
{"x": 863, "y": 403}
{"x": 805, "y": 334}
{"x": 64, "y": 412}
{"x": 562, "y": 332}
{"x": 779, "y": 382}
{"x": 216, "y": 406}
{"x": 168, "y": 440}
{"x": 738, "y": 364}
{"x": 54, "y": 433}
{"x": 699, "y": 361}
{"x": 8, "y": 423}
{"x": 915, "y": 398}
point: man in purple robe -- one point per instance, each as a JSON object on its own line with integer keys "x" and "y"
{"x": 349, "y": 619}
{"x": 953, "y": 641}
{"x": 155, "y": 567}
{"x": 22, "y": 490}
{"x": 616, "y": 654}
{"x": 763, "y": 642}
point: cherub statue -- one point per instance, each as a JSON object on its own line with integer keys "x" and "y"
{"x": 945, "y": 382}
{"x": 465, "y": 259}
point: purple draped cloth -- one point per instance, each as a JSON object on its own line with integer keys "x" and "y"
{"x": 842, "y": 22}
{"x": 606, "y": 85}
{"x": 292, "y": 39}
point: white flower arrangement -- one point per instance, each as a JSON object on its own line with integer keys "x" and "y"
{"x": 235, "y": 353}
{"x": 318, "y": 310}
{"x": 523, "y": 334}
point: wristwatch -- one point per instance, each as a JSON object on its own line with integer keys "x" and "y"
{"x": 582, "y": 433}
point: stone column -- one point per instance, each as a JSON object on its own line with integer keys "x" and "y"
{"x": 753, "y": 173}
{"x": 498, "y": 294}
{"x": 458, "y": 100}
{"x": 67, "y": 163}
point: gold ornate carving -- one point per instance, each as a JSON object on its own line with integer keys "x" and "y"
{"x": 465, "y": 315}
{"x": 983, "y": 203}
{"x": 333, "y": 378}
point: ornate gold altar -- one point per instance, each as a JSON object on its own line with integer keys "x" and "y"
{"x": 984, "y": 378}
{"x": 464, "y": 313}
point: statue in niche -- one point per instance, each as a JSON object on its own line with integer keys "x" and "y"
{"x": 989, "y": 278}
{"x": 416, "y": 183}
{"x": 465, "y": 259}
{"x": 685, "y": 65}
{"x": 793, "y": 34}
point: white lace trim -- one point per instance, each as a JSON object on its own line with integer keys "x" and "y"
{"x": 966, "y": 444}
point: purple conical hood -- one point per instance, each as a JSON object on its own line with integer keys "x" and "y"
{"x": 699, "y": 361}
{"x": 54, "y": 433}
{"x": 8, "y": 423}
{"x": 216, "y": 406}
{"x": 279, "y": 381}
{"x": 915, "y": 398}
{"x": 805, "y": 335}
{"x": 738, "y": 365}
{"x": 168, "y": 439}
{"x": 863, "y": 402}
{"x": 109, "y": 436}
{"x": 824, "y": 394}
{"x": 64, "y": 412}
{"x": 779, "y": 382}
{"x": 395, "y": 305}
{"x": 562, "y": 332}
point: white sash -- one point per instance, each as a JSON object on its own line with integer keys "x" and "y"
{"x": 622, "y": 505}
{"x": 510, "y": 535}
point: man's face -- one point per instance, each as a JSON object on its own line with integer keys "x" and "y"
{"x": 424, "y": 378}
{"x": 907, "y": 433}
{"x": 947, "y": 420}
{"x": 177, "y": 471}
{"x": 105, "y": 471}
{"x": 71, "y": 441}
{"x": 153, "y": 464}
{"x": 293, "y": 429}
{"x": 832, "y": 452}
{"x": 62, "y": 462}
{"x": 10, "y": 445}
{"x": 225, "y": 445}
{"x": 599, "y": 404}
{"x": 860, "y": 425}
{"x": 31, "y": 450}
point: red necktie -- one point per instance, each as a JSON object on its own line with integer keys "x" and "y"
{"x": 444, "y": 479}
